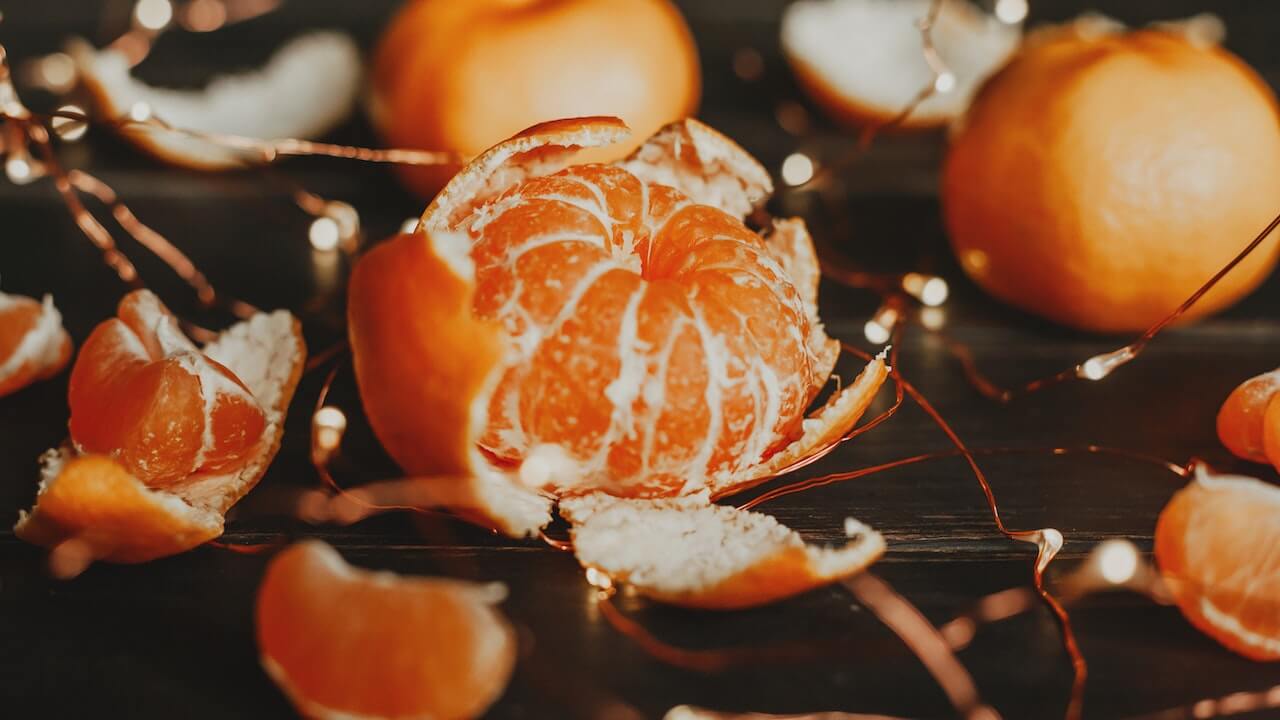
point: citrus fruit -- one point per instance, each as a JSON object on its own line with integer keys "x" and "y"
{"x": 33, "y": 345}
{"x": 593, "y": 334}
{"x": 349, "y": 643}
{"x": 1100, "y": 178}
{"x": 1242, "y": 421}
{"x": 655, "y": 340}
{"x": 1216, "y": 546}
{"x": 94, "y": 506}
{"x": 863, "y": 60}
{"x": 462, "y": 76}
{"x": 141, "y": 392}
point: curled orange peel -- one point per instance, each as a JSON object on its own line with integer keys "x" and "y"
{"x": 92, "y": 508}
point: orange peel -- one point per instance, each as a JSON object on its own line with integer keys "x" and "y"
{"x": 310, "y": 83}
{"x": 349, "y": 643}
{"x": 33, "y": 344}
{"x": 685, "y": 551}
{"x": 93, "y": 506}
{"x": 862, "y": 60}
{"x": 428, "y": 364}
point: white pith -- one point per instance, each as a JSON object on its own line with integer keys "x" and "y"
{"x": 310, "y": 84}
{"x": 851, "y": 44}
{"x": 687, "y": 546}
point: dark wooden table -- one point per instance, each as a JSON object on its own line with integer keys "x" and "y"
{"x": 175, "y": 637}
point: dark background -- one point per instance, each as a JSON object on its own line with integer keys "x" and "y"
{"x": 175, "y": 637}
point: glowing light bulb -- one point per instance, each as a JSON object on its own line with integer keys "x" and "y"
{"x": 327, "y": 427}
{"x": 153, "y": 14}
{"x": 325, "y": 234}
{"x": 70, "y": 129}
{"x": 1011, "y": 12}
{"x": 945, "y": 82}
{"x": 19, "y": 170}
{"x": 409, "y": 226}
{"x": 797, "y": 169}
{"x": 792, "y": 117}
{"x": 140, "y": 112}
{"x": 205, "y": 15}
{"x": 56, "y": 72}
{"x": 347, "y": 220}
{"x": 876, "y": 333}
{"x": 933, "y": 318}
{"x": 928, "y": 289}
{"x": 1117, "y": 561}
{"x": 880, "y": 327}
{"x": 1100, "y": 366}
{"x": 599, "y": 580}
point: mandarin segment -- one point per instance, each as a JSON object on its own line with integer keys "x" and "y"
{"x": 349, "y": 643}
{"x": 142, "y": 393}
{"x": 1215, "y": 543}
{"x": 33, "y": 345}
{"x": 1241, "y": 419}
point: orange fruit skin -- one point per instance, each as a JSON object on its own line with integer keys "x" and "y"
{"x": 145, "y": 405}
{"x": 16, "y": 320}
{"x": 1215, "y": 544}
{"x": 1099, "y": 181}
{"x": 1241, "y": 419}
{"x": 461, "y": 76}
{"x": 96, "y": 500}
{"x": 392, "y": 324}
{"x": 344, "y": 642}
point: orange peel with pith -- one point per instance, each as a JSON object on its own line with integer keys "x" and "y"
{"x": 93, "y": 502}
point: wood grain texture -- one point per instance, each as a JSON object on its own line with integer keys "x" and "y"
{"x": 141, "y": 641}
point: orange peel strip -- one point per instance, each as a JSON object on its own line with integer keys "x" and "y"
{"x": 94, "y": 503}
{"x": 688, "y": 552}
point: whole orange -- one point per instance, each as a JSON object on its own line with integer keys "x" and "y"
{"x": 1100, "y": 178}
{"x": 461, "y": 76}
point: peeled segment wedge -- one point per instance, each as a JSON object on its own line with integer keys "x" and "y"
{"x": 863, "y": 60}
{"x": 686, "y": 551}
{"x": 1216, "y": 545}
{"x": 33, "y": 344}
{"x": 348, "y": 643}
{"x": 91, "y": 505}
{"x": 307, "y": 87}
{"x": 1243, "y": 420}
